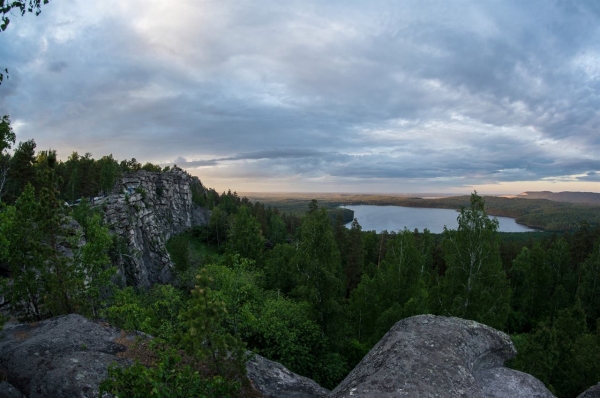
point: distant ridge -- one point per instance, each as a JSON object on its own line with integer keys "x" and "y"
{"x": 567, "y": 196}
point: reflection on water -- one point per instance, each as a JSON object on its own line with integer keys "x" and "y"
{"x": 395, "y": 218}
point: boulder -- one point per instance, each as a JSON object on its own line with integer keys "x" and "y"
{"x": 66, "y": 356}
{"x": 592, "y": 392}
{"x": 435, "y": 356}
{"x": 274, "y": 380}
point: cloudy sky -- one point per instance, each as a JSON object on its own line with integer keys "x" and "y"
{"x": 323, "y": 96}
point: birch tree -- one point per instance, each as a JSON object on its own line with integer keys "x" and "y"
{"x": 474, "y": 285}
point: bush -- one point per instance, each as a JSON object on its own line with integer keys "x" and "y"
{"x": 168, "y": 378}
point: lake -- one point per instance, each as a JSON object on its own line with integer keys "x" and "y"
{"x": 395, "y": 218}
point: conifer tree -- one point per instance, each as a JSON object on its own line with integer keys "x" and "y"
{"x": 25, "y": 256}
{"x": 319, "y": 269}
{"x": 205, "y": 336}
{"x": 245, "y": 236}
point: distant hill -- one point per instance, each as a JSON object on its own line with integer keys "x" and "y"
{"x": 569, "y": 197}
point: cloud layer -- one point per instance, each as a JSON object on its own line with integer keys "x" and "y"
{"x": 325, "y": 96}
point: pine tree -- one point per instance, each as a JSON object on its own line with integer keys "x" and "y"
{"x": 206, "y": 337}
{"x": 25, "y": 256}
{"x": 319, "y": 272}
{"x": 245, "y": 236}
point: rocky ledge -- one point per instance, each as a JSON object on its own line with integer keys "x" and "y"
{"x": 422, "y": 356}
{"x": 435, "y": 356}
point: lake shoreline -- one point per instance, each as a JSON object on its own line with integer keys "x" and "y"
{"x": 396, "y": 218}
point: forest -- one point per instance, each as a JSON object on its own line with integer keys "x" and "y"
{"x": 300, "y": 289}
{"x": 536, "y": 212}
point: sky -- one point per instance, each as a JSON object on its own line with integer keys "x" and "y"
{"x": 318, "y": 96}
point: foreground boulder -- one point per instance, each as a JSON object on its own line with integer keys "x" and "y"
{"x": 422, "y": 356}
{"x": 592, "y": 392}
{"x": 434, "y": 356}
{"x": 274, "y": 380}
{"x": 66, "y": 356}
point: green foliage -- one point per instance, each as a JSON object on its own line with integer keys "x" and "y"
{"x": 205, "y": 336}
{"x": 318, "y": 277}
{"x": 155, "y": 312}
{"x": 474, "y": 285}
{"x": 589, "y": 288}
{"x": 245, "y": 236}
{"x": 25, "y": 256}
{"x": 130, "y": 165}
{"x": 198, "y": 194}
{"x": 278, "y": 232}
{"x": 179, "y": 250}
{"x": 285, "y": 331}
{"x": 396, "y": 291}
{"x": 22, "y": 170}
{"x": 109, "y": 173}
{"x": 152, "y": 167}
{"x": 355, "y": 257}
{"x": 538, "y": 353}
{"x": 563, "y": 355}
{"x": 239, "y": 288}
{"x": 7, "y": 135}
{"x": 168, "y": 378}
{"x": 279, "y": 269}
{"x": 45, "y": 281}
{"x": 218, "y": 226}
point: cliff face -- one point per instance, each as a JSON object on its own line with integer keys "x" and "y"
{"x": 146, "y": 209}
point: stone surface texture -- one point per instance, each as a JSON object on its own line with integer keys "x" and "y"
{"x": 435, "y": 356}
{"x": 66, "y": 356}
{"x": 7, "y": 390}
{"x": 146, "y": 209}
{"x": 592, "y": 392}
{"x": 274, "y": 380}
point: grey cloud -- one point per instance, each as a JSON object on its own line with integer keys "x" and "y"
{"x": 57, "y": 66}
{"x": 317, "y": 90}
{"x": 592, "y": 176}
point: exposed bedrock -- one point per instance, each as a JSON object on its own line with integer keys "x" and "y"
{"x": 66, "y": 356}
{"x": 146, "y": 209}
{"x": 435, "y": 356}
{"x": 422, "y": 356}
{"x": 592, "y": 392}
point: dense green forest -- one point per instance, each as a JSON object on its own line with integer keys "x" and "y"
{"x": 300, "y": 289}
{"x": 536, "y": 213}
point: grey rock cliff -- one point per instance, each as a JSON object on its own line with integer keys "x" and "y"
{"x": 435, "y": 356}
{"x": 146, "y": 209}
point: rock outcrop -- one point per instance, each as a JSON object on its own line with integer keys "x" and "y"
{"x": 592, "y": 392}
{"x": 146, "y": 209}
{"x": 274, "y": 380}
{"x": 435, "y": 356}
{"x": 422, "y": 356}
{"x": 66, "y": 356}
